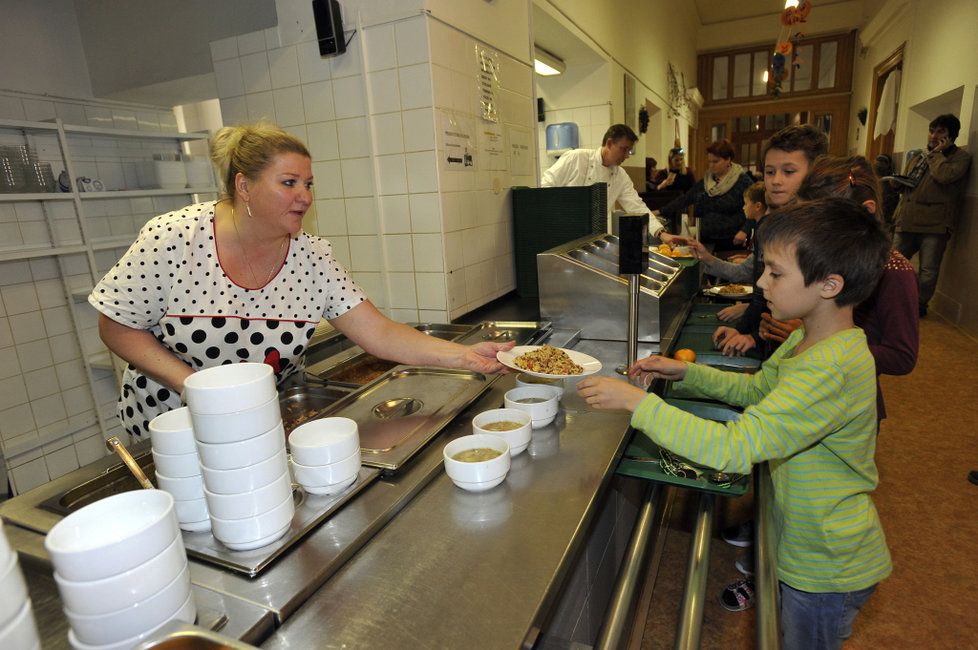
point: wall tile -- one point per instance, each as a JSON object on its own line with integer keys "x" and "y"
{"x": 433, "y": 316}
{"x": 365, "y": 254}
{"x": 50, "y": 293}
{"x": 15, "y": 273}
{"x": 404, "y": 315}
{"x": 77, "y": 400}
{"x": 348, "y": 97}
{"x": 34, "y": 234}
{"x": 441, "y": 87}
{"x": 234, "y": 110}
{"x": 331, "y": 217}
{"x": 357, "y": 177}
{"x": 395, "y": 214}
{"x": 323, "y": 142}
{"x": 411, "y": 37}
{"x": 6, "y": 338}
{"x": 19, "y": 298}
{"x": 425, "y": 213}
{"x": 415, "y": 84}
{"x": 288, "y": 106}
{"x": 341, "y": 251}
{"x": 69, "y": 374}
{"x": 39, "y": 110}
{"x": 388, "y": 135}
{"x": 419, "y": 129}
{"x": 61, "y": 462}
{"x": 27, "y": 327}
{"x": 9, "y": 365}
{"x": 255, "y": 73}
{"x": 260, "y": 106}
{"x": 272, "y": 39}
{"x": 453, "y": 251}
{"x": 348, "y": 64}
{"x": 317, "y": 101}
{"x": 379, "y": 42}
{"x": 17, "y": 420}
{"x": 384, "y": 94}
{"x": 328, "y": 180}
{"x": 34, "y": 355}
{"x": 90, "y": 449}
{"x": 12, "y": 108}
{"x": 41, "y": 383}
{"x": 429, "y": 255}
{"x": 225, "y": 48}
{"x": 422, "y": 176}
{"x": 71, "y": 113}
{"x": 12, "y": 392}
{"x": 312, "y": 67}
{"x": 432, "y": 291}
{"x": 251, "y": 42}
{"x": 361, "y": 216}
{"x": 10, "y": 234}
{"x": 29, "y": 476}
{"x": 48, "y": 410}
{"x": 354, "y": 139}
{"x": 283, "y": 67}
{"x": 229, "y": 80}
{"x": 404, "y": 295}
{"x": 456, "y": 290}
{"x": 392, "y": 175}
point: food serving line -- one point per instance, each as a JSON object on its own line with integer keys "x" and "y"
{"x": 414, "y": 561}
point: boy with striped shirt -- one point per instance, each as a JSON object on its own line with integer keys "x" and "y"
{"x": 810, "y": 412}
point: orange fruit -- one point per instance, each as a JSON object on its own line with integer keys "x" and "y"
{"x": 685, "y": 354}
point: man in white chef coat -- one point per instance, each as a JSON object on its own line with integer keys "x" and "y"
{"x": 582, "y": 167}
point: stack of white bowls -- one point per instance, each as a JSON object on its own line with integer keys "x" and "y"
{"x": 178, "y": 468}
{"x": 17, "y": 627}
{"x": 240, "y": 440}
{"x": 325, "y": 455}
{"x": 121, "y": 570}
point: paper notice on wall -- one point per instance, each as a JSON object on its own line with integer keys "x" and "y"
{"x": 520, "y": 151}
{"x": 456, "y": 148}
{"x": 488, "y": 76}
{"x": 492, "y": 148}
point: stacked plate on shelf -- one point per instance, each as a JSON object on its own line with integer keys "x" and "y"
{"x": 242, "y": 453}
{"x": 17, "y": 626}
{"x": 121, "y": 570}
{"x": 178, "y": 468}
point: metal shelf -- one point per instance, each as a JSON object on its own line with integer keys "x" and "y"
{"x": 36, "y": 196}
{"x": 126, "y": 194}
{"x": 27, "y": 253}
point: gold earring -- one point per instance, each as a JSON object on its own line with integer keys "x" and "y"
{"x": 248, "y": 209}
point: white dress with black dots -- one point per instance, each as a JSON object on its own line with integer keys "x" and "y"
{"x": 171, "y": 283}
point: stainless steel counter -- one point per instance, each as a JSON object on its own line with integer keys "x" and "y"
{"x": 454, "y": 567}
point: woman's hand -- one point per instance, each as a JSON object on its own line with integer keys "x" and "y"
{"x": 733, "y": 312}
{"x": 669, "y": 180}
{"x": 777, "y": 330}
{"x": 481, "y": 357}
{"x": 607, "y": 393}
{"x": 672, "y": 240}
{"x": 657, "y": 367}
{"x": 740, "y": 238}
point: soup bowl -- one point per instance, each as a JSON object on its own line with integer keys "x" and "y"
{"x": 518, "y": 437}
{"x": 236, "y": 455}
{"x": 246, "y": 479}
{"x": 524, "y": 380}
{"x": 237, "y": 425}
{"x": 231, "y": 388}
{"x": 172, "y": 432}
{"x": 480, "y": 475}
{"x": 539, "y": 402}
{"x": 324, "y": 441}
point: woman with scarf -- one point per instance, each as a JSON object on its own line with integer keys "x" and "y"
{"x": 717, "y": 200}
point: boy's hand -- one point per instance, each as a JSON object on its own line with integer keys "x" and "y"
{"x": 699, "y": 250}
{"x": 777, "y": 330}
{"x": 733, "y": 312}
{"x": 740, "y": 238}
{"x": 731, "y": 342}
{"x": 607, "y": 393}
{"x": 656, "y": 367}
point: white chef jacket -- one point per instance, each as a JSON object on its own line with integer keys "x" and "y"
{"x": 582, "y": 167}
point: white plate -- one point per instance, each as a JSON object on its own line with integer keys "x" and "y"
{"x": 508, "y": 359}
{"x": 715, "y": 291}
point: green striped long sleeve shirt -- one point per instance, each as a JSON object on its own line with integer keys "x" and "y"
{"x": 813, "y": 418}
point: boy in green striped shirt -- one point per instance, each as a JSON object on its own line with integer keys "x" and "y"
{"x": 810, "y": 412}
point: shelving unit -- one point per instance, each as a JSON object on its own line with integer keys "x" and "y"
{"x": 97, "y": 360}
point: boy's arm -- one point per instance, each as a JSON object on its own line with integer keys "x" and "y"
{"x": 802, "y": 409}
{"x": 734, "y": 388}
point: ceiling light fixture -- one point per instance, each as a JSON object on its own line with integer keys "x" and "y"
{"x": 790, "y": 4}
{"x": 546, "y": 64}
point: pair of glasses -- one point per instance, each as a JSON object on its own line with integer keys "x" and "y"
{"x": 677, "y": 466}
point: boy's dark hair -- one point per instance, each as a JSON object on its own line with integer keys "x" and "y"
{"x": 851, "y": 178}
{"x": 949, "y": 122}
{"x": 831, "y": 235}
{"x": 755, "y": 193}
{"x": 616, "y": 131}
{"x": 721, "y": 149}
{"x": 650, "y": 164}
{"x": 799, "y": 137}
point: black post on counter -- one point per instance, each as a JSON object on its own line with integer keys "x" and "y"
{"x": 633, "y": 261}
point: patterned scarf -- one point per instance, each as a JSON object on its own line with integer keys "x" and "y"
{"x": 715, "y": 187}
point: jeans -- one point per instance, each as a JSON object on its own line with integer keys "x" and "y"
{"x": 819, "y": 621}
{"x": 931, "y": 248}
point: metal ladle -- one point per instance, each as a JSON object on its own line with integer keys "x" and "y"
{"x": 114, "y": 444}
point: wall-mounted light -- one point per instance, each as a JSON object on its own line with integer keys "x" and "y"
{"x": 790, "y": 4}
{"x": 546, "y": 64}
{"x": 765, "y": 76}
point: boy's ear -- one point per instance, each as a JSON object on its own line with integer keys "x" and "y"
{"x": 832, "y": 285}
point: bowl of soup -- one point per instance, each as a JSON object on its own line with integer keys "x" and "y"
{"x": 523, "y": 380}
{"x": 513, "y": 425}
{"x": 478, "y": 462}
{"x": 539, "y": 402}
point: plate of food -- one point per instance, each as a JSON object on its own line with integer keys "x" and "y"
{"x": 548, "y": 362}
{"x": 674, "y": 251}
{"x": 734, "y": 291}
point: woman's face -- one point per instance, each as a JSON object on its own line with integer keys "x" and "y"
{"x": 282, "y": 192}
{"x": 676, "y": 162}
{"x": 718, "y": 166}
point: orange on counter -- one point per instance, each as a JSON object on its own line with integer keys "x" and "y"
{"x": 684, "y": 354}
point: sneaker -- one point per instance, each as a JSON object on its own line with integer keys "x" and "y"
{"x": 738, "y": 596}
{"x": 745, "y": 564}
{"x": 741, "y": 535}
{"x": 973, "y": 476}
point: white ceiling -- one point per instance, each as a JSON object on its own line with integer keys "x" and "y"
{"x": 719, "y": 11}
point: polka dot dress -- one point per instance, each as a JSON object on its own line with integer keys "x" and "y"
{"x": 171, "y": 283}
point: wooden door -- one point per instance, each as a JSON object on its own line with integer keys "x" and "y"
{"x": 882, "y": 72}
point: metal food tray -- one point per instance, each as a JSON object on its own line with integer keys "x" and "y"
{"x": 310, "y": 511}
{"x": 523, "y": 332}
{"x": 303, "y": 403}
{"x": 403, "y": 409}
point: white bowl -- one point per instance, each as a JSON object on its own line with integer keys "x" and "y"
{"x": 250, "y": 504}
{"x": 324, "y": 441}
{"x": 482, "y": 475}
{"x": 172, "y": 432}
{"x": 13, "y": 590}
{"x": 239, "y": 425}
{"x": 335, "y": 488}
{"x": 5, "y": 550}
{"x": 518, "y": 439}
{"x": 541, "y": 413}
{"x": 235, "y": 455}
{"x": 95, "y": 597}
{"x": 254, "y": 532}
{"x": 177, "y": 465}
{"x": 187, "y": 613}
{"x": 21, "y": 631}
{"x": 323, "y": 475}
{"x": 196, "y": 526}
{"x": 524, "y": 380}
{"x": 191, "y": 512}
{"x": 230, "y": 388}
{"x": 112, "y": 535}
{"x": 135, "y": 618}
{"x": 246, "y": 479}
{"x": 186, "y": 488}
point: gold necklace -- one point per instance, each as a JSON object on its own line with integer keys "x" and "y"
{"x": 275, "y": 262}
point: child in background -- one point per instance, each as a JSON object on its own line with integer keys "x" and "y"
{"x": 755, "y": 205}
{"x": 787, "y": 157}
{"x": 810, "y": 411}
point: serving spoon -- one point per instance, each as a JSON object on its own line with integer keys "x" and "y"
{"x": 114, "y": 444}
